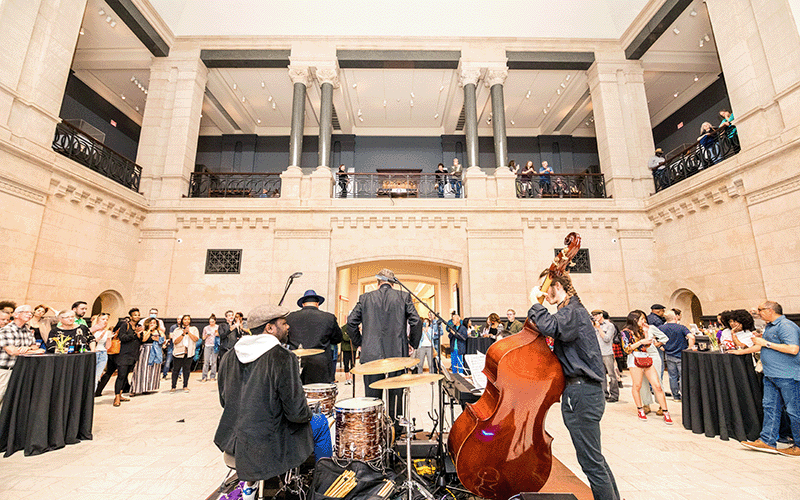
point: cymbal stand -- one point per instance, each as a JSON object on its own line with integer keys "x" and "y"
{"x": 410, "y": 484}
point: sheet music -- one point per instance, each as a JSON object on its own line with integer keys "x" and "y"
{"x": 475, "y": 362}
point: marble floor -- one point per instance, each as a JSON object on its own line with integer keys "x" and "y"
{"x": 159, "y": 446}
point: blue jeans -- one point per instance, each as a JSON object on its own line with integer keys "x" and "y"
{"x": 100, "y": 364}
{"x": 674, "y": 369}
{"x": 167, "y": 362}
{"x": 455, "y": 185}
{"x": 582, "y": 407}
{"x": 777, "y": 393}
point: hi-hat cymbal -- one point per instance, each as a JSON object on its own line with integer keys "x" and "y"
{"x": 406, "y": 380}
{"x": 381, "y": 366}
{"x": 307, "y": 352}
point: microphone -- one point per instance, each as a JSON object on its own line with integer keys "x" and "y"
{"x": 295, "y": 275}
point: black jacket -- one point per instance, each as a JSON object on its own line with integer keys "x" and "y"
{"x": 265, "y": 421}
{"x": 389, "y": 323}
{"x": 227, "y": 339}
{"x": 129, "y": 344}
{"x": 315, "y": 329}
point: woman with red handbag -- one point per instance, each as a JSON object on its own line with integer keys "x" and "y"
{"x": 635, "y": 341}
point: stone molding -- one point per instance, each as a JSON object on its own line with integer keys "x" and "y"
{"x": 300, "y": 74}
{"x": 467, "y": 76}
{"x": 224, "y": 222}
{"x": 328, "y": 75}
{"x": 496, "y": 77}
{"x": 490, "y": 234}
{"x": 636, "y": 234}
{"x": 771, "y": 192}
{"x": 570, "y": 222}
{"x": 91, "y": 201}
{"x": 700, "y": 200}
{"x": 435, "y": 222}
{"x": 312, "y": 234}
{"x": 158, "y": 234}
{"x": 21, "y": 192}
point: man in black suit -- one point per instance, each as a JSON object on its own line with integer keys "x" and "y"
{"x": 314, "y": 329}
{"x": 389, "y": 323}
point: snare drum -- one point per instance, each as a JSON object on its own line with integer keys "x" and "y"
{"x": 324, "y": 394}
{"x": 360, "y": 429}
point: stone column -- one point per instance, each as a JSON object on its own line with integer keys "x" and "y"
{"x": 329, "y": 80}
{"x": 622, "y": 125}
{"x": 494, "y": 80}
{"x": 469, "y": 80}
{"x": 38, "y": 40}
{"x": 759, "y": 49}
{"x": 300, "y": 78}
{"x": 171, "y": 124}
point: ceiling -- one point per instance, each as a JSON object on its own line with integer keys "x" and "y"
{"x": 423, "y": 102}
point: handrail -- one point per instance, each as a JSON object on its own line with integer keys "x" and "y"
{"x": 536, "y": 185}
{"x": 235, "y": 185}
{"x": 711, "y": 149}
{"x": 397, "y": 185}
{"x": 77, "y": 145}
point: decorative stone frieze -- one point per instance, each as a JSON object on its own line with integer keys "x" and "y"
{"x": 403, "y": 222}
{"x": 224, "y": 222}
{"x": 91, "y": 201}
{"x": 21, "y": 192}
{"x": 770, "y": 192}
{"x": 570, "y": 223}
{"x": 698, "y": 201}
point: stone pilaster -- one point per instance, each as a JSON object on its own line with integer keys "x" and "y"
{"x": 171, "y": 124}
{"x": 622, "y": 125}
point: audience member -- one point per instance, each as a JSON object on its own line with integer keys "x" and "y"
{"x": 129, "y": 335}
{"x": 758, "y": 323}
{"x": 183, "y": 340}
{"x": 80, "y": 308}
{"x": 544, "y": 178}
{"x": 635, "y": 341}
{"x": 742, "y": 328}
{"x": 727, "y": 126}
{"x": 455, "y": 178}
{"x": 153, "y": 313}
{"x": 8, "y": 306}
{"x": 605, "y": 337}
{"x": 343, "y": 179}
{"x": 102, "y": 339}
{"x": 657, "y": 165}
{"x": 493, "y": 328}
{"x": 348, "y": 359}
{"x": 526, "y": 179}
{"x": 512, "y": 325}
{"x": 68, "y": 329}
{"x": 425, "y": 349}
{"x": 708, "y": 144}
{"x": 457, "y": 333}
{"x": 39, "y": 324}
{"x": 166, "y": 366}
{"x": 656, "y": 316}
{"x": 148, "y": 368}
{"x": 779, "y": 356}
{"x": 313, "y": 328}
{"x": 441, "y": 179}
{"x": 226, "y": 340}
{"x": 210, "y": 336}
{"x": 680, "y": 339}
{"x": 5, "y": 318}
{"x": 15, "y": 338}
{"x": 513, "y": 167}
{"x": 129, "y": 321}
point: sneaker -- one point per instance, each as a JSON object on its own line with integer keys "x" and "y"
{"x": 348, "y": 382}
{"x": 612, "y": 400}
{"x": 660, "y": 412}
{"x": 785, "y": 440}
{"x": 642, "y": 415}
{"x": 792, "y": 451}
{"x": 646, "y": 409}
{"x": 676, "y": 398}
{"x": 249, "y": 492}
{"x": 667, "y": 418}
{"x": 759, "y": 445}
{"x": 172, "y": 390}
{"x": 185, "y": 389}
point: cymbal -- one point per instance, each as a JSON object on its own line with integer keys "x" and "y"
{"x": 406, "y": 380}
{"x": 307, "y": 352}
{"x": 381, "y": 366}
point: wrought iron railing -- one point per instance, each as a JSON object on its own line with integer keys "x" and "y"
{"x": 561, "y": 186}
{"x": 235, "y": 185}
{"x": 710, "y": 150}
{"x": 76, "y": 145}
{"x": 380, "y": 185}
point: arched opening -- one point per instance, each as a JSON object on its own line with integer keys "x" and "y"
{"x": 110, "y": 302}
{"x": 435, "y": 284}
{"x": 691, "y": 309}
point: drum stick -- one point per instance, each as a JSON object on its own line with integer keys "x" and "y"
{"x": 347, "y": 485}
{"x": 387, "y": 488}
{"x": 340, "y": 480}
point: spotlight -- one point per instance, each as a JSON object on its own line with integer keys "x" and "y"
{"x": 436, "y": 116}
{"x": 355, "y": 85}
{"x": 693, "y": 13}
{"x": 528, "y": 95}
{"x": 133, "y": 78}
{"x": 701, "y": 43}
{"x": 441, "y": 88}
{"x": 101, "y": 12}
{"x": 137, "y": 109}
{"x": 675, "y": 94}
{"x": 123, "y": 96}
{"x": 545, "y": 111}
{"x": 274, "y": 106}
{"x": 558, "y": 91}
{"x": 706, "y": 37}
{"x": 113, "y": 24}
{"x": 234, "y": 86}
{"x": 361, "y": 118}
{"x": 145, "y": 91}
{"x": 81, "y": 32}
{"x": 548, "y": 104}
{"x": 676, "y": 31}
{"x": 568, "y": 77}
{"x": 359, "y": 112}
{"x": 563, "y": 85}
{"x": 263, "y": 85}
{"x": 258, "y": 121}
{"x": 384, "y": 103}
{"x": 488, "y": 121}
{"x": 108, "y": 19}
{"x": 412, "y": 95}
{"x": 269, "y": 99}
{"x": 696, "y": 78}
{"x": 512, "y": 122}
{"x": 243, "y": 99}
{"x": 412, "y": 103}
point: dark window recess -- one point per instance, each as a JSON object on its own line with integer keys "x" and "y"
{"x": 223, "y": 261}
{"x": 580, "y": 263}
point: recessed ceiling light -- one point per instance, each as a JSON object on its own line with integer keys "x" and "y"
{"x": 563, "y": 86}
{"x": 676, "y": 31}
{"x": 258, "y": 121}
{"x": 675, "y": 94}
{"x": 137, "y": 109}
{"x": 693, "y": 13}
{"x": 512, "y": 122}
{"x": 696, "y": 78}
{"x": 545, "y": 110}
{"x": 133, "y": 78}
{"x": 488, "y": 121}
{"x": 384, "y": 103}
{"x": 361, "y": 118}
{"x": 558, "y": 91}
{"x": 269, "y": 99}
{"x": 568, "y": 77}
{"x": 412, "y": 103}
{"x": 123, "y": 96}
{"x": 436, "y": 116}
{"x": 113, "y": 24}
{"x": 701, "y": 43}
{"x": 274, "y": 106}
{"x": 441, "y": 88}
{"x": 528, "y": 95}
{"x": 145, "y": 91}
{"x": 243, "y": 99}
{"x": 548, "y": 104}
{"x": 359, "y": 112}
{"x": 234, "y": 86}
{"x": 706, "y": 37}
{"x": 263, "y": 85}
{"x": 412, "y": 95}
{"x": 355, "y": 85}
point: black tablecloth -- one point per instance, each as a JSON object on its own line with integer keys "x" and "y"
{"x": 721, "y": 395}
{"x": 475, "y": 344}
{"x": 49, "y": 403}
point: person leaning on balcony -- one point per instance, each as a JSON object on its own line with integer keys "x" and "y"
{"x": 441, "y": 179}
{"x": 707, "y": 140}
{"x": 727, "y": 124}
{"x": 526, "y": 178}
{"x": 657, "y": 165}
{"x": 343, "y": 179}
{"x": 544, "y": 178}
{"x": 455, "y": 177}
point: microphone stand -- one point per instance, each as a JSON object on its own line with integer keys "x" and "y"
{"x": 440, "y": 444}
{"x": 288, "y": 284}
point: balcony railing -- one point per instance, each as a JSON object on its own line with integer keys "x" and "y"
{"x": 76, "y": 145}
{"x": 561, "y": 186}
{"x": 710, "y": 150}
{"x": 386, "y": 185}
{"x": 235, "y": 185}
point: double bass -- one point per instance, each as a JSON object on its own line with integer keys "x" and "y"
{"x": 498, "y": 444}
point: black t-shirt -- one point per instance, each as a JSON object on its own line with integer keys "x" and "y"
{"x": 78, "y": 336}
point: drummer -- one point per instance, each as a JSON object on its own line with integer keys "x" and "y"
{"x": 314, "y": 329}
{"x": 386, "y": 315}
{"x": 265, "y": 421}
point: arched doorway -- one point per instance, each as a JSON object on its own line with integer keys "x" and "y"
{"x": 110, "y": 302}
{"x": 691, "y": 309}
{"x": 436, "y": 284}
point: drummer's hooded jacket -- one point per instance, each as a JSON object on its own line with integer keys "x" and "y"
{"x": 265, "y": 421}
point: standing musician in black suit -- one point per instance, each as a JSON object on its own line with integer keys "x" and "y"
{"x": 314, "y": 329}
{"x": 389, "y": 324}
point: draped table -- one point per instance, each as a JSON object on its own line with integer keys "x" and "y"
{"x": 478, "y": 344}
{"x": 49, "y": 403}
{"x": 721, "y": 395}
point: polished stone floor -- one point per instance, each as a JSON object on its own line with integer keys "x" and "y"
{"x": 159, "y": 446}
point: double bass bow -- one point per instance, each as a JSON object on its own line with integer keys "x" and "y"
{"x": 499, "y": 445}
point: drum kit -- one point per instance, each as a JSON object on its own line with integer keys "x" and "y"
{"x": 363, "y": 429}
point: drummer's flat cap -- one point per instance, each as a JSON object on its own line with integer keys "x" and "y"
{"x": 263, "y": 314}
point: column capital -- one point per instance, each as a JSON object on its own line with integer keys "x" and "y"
{"x": 495, "y": 76}
{"x": 328, "y": 74}
{"x": 300, "y": 74}
{"x": 469, "y": 75}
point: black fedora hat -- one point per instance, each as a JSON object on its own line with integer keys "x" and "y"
{"x": 310, "y": 296}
